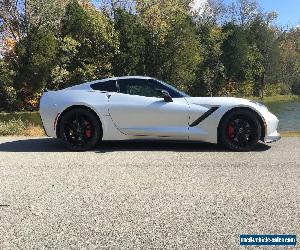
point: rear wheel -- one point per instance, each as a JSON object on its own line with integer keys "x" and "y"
{"x": 80, "y": 129}
{"x": 240, "y": 130}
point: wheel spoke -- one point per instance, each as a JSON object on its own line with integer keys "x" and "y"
{"x": 236, "y": 124}
{"x": 242, "y": 139}
{"x": 70, "y": 125}
{"x": 250, "y": 131}
{"x": 81, "y": 121}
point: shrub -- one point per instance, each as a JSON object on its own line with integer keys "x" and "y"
{"x": 245, "y": 89}
{"x": 276, "y": 89}
{"x": 33, "y": 131}
{"x": 8, "y": 98}
{"x": 17, "y": 127}
{"x": 296, "y": 88}
{"x": 12, "y": 127}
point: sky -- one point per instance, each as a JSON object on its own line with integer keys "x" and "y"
{"x": 288, "y": 10}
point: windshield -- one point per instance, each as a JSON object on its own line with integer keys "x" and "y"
{"x": 173, "y": 89}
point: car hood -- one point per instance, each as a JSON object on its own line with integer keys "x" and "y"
{"x": 218, "y": 101}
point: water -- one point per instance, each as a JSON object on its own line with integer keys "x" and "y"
{"x": 287, "y": 112}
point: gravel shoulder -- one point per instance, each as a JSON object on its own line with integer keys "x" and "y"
{"x": 145, "y": 195}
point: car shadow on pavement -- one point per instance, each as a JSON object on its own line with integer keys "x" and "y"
{"x": 54, "y": 145}
{"x": 32, "y": 145}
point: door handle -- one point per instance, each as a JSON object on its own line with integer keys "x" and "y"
{"x": 108, "y": 95}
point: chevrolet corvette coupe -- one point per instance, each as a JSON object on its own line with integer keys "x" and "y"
{"x": 136, "y": 107}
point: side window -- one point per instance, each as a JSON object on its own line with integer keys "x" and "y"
{"x": 172, "y": 91}
{"x": 108, "y": 86}
{"x": 140, "y": 87}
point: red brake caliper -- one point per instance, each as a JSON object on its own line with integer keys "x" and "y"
{"x": 230, "y": 131}
{"x": 88, "y": 131}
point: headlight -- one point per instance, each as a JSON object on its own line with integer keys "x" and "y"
{"x": 260, "y": 104}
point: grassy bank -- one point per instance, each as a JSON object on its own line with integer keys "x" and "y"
{"x": 16, "y": 127}
{"x": 276, "y": 98}
{"x": 290, "y": 134}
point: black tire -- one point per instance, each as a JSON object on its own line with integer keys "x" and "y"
{"x": 240, "y": 130}
{"x": 79, "y": 129}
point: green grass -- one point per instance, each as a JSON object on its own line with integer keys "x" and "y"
{"x": 277, "y": 98}
{"x": 16, "y": 127}
{"x": 290, "y": 133}
{"x": 12, "y": 127}
{"x": 27, "y": 117}
{"x": 18, "y": 112}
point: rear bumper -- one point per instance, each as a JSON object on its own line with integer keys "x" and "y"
{"x": 45, "y": 131}
{"x": 48, "y": 113}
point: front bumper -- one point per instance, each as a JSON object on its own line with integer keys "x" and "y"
{"x": 273, "y": 137}
{"x": 271, "y": 134}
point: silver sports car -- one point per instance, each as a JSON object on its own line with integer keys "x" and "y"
{"x": 135, "y": 107}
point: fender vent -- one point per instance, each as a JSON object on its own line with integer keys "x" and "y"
{"x": 204, "y": 116}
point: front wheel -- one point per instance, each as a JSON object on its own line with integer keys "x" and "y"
{"x": 240, "y": 130}
{"x": 79, "y": 129}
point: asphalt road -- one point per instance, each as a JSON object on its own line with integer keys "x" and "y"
{"x": 145, "y": 195}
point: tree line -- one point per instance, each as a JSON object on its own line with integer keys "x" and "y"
{"x": 216, "y": 50}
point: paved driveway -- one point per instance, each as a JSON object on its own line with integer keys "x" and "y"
{"x": 145, "y": 195}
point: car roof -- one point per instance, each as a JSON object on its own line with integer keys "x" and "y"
{"x": 87, "y": 84}
{"x": 122, "y": 77}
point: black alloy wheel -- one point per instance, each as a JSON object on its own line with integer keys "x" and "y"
{"x": 240, "y": 130}
{"x": 79, "y": 129}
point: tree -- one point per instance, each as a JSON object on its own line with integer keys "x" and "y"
{"x": 254, "y": 67}
{"x": 36, "y": 55}
{"x": 211, "y": 72}
{"x": 98, "y": 42}
{"x": 210, "y": 12}
{"x": 213, "y": 50}
{"x": 110, "y": 7}
{"x": 61, "y": 74}
{"x": 156, "y": 25}
{"x": 13, "y": 18}
{"x": 180, "y": 53}
{"x": 169, "y": 29}
{"x": 130, "y": 59}
{"x": 8, "y": 97}
{"x": 17, "y": 17}
{"x": 234, "y": 52}
{"x": 266, "y": 41}
{"x": 296, "y": 88}
{"x": 44, "y": 13}
{"x": 290, "y": 58}
{"x": 244, "y": 12}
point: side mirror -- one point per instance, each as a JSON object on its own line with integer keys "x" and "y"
{"x": 165, "y": 94}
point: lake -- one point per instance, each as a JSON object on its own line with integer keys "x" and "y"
{"x": 288, "y": 113}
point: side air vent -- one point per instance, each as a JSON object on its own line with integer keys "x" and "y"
{"x": 204, "y": 116}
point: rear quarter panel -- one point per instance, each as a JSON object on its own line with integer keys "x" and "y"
{"x": 54, "y": 103}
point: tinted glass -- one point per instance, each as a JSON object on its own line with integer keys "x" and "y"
{"x": 140, "y": 87}
{"x": 174, "y": 93}
{"x": 108, "y": 86}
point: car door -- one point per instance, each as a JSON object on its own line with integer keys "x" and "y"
{"x": 139, "y": 111}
